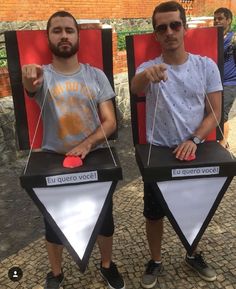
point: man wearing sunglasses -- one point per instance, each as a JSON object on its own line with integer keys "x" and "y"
{"x": 187, "y": 90}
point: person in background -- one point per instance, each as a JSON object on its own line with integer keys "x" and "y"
{"x": 223, "y": 17}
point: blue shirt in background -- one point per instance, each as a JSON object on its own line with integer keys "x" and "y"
{"x": 229, "y": 63}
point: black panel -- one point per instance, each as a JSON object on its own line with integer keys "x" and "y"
{"x": 133, "y": 97}
{"x": 82, "y": 263}
{"x": 220, "y": 63}
{"x": 45, "y": 164}
{"x": 163, "y": 161}
{"x": 107, "y": 54}
{"x": 108, "y": 66}
{"x": 191, "y": 248}
{"x": 14, "y": 69}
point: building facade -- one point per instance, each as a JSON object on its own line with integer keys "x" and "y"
{"x": 28, "y": 10}
{"x": 121, "y": 15}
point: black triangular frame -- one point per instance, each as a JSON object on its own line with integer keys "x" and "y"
{"x": 82, "y": 263}
{"x": 191, "y": 248}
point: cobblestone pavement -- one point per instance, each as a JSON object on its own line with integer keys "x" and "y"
{"x": 22, "y": 242}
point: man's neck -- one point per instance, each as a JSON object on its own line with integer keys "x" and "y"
{"x": 66, "y": 65}
{"x": 226, "y": 31}
{"x": 175, "y": 58}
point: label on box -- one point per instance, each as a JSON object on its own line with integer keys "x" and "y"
{"x": 190, "y": 172}
{"x": 72, "y": 178}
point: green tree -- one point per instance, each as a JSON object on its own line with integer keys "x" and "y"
{"x": 3, "y": 55}
{"x": 233, "y": 26}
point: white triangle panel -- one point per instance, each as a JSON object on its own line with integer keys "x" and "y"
{"x": 75, "y": 209}
{"x": 190, "y": 201}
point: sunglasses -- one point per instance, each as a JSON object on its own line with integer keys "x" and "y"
{"x": 162, "y": 28}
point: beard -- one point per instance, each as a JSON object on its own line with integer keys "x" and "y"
{"x": 61, "y": 52}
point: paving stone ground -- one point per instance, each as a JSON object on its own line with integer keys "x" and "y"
{"x": 22, "y": 241}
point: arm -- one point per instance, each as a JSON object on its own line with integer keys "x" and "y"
{"x": 32, "y": 77}
{"x": 213, "y": 114}
{"x": 154, "y": 74}
{"x": 210, "y": 121}
{"x": 108, "y": 121}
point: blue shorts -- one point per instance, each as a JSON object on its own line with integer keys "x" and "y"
{"x": 107, "y": 228}
{"x": 152, "y": 207}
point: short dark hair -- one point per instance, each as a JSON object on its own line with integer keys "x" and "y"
{"x": 227, "y": 13}
{"x": 61, "y": 14}
{"x": 167, "y": 7}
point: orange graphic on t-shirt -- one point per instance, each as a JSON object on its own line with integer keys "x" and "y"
{"x": 70, "y": 124}
{"x": 72, "y": 86}
{"x": 57, "y": 90}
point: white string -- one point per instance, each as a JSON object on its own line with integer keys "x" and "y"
{"x": 153, "y": 126}
{"x": 213, "y": 112}
{"x": 217, "y": 122}
{"x": 38, "y": 121}
{"x": 94, "y": 108}
{"x": 40, "y": 115}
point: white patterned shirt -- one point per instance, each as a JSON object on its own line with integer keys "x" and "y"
{"x": 180, "y": 100}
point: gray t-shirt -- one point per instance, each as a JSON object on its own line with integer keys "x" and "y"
{"x": 180, "y": 100}
{"x": 70, "y": 105}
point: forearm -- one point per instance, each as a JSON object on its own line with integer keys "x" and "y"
{"x": 213, "y": 115}
{"x": 101, "y": 133}
{"x": 139, "y": 83}
{"x": 207, "y": 125}
{"x": 188, "y": 148}
{"x": 28, "y": 85}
